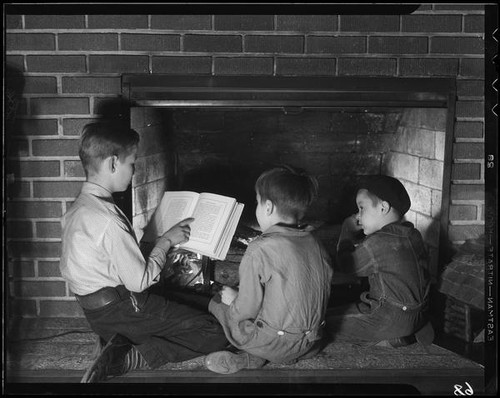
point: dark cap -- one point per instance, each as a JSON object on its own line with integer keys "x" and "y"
{"x": 389, "y": 189}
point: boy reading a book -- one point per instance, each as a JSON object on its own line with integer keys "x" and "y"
{"x": 112, "y": 281}
{"x": 393, "y": 256}
{"x": 278, "y": 312}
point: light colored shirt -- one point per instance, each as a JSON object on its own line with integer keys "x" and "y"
{"x": 100, "y": 249}
{"x": 285, "y": 278}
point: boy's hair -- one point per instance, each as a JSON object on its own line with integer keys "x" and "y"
{"x": 101, "y": 140}
{"x": 291, "y": 190}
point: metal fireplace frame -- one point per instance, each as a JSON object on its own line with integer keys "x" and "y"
{"x": 266, "y": 92}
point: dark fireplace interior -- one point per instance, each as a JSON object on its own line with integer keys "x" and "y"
{"x": 224, "y": 151}
{"x": 209, "y": 135}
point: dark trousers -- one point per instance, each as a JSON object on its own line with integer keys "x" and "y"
{"x": 371, "y": 323}
{"x": 163, "y": 330}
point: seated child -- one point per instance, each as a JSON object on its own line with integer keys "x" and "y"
{"x": 112, "y": 281}
{"x": 394, "y": 258}
{"x": 285, "y": 274}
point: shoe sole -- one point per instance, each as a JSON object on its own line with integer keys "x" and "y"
{"x": 224, "y": 362}
{"x": 91, "y": 373}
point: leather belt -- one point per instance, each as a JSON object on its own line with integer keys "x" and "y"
{"x": 103, "y": 297}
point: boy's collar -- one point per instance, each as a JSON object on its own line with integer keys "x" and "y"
{"x": 283, "y": 224}
{"x": 283, "y": 227}
{"x": 96, "y": 189}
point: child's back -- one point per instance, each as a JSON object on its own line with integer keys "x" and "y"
{"x": 395, "y": 260}
{"x": 295, "y": 271}
{"x": 278, "y": 312}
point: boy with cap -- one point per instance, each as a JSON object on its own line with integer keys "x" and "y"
{"x": 393, "y": 256}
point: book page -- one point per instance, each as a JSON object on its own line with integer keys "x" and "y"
{"x": 175, "y": 206}
{"x": 229, "y": 231}
{"x": 210, "y": 218}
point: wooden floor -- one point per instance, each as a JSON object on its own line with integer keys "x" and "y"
{"x": 53, "y": 354}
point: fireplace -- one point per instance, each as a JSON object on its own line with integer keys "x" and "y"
{"x": 217, "y": 134}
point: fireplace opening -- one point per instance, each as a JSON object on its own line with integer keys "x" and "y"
{"x": 221, "y": 144}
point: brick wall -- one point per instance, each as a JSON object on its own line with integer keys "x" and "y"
{"x": 416, "y": 157}
{"x": 71, "y": 65}
{"x": 153, "y": 168}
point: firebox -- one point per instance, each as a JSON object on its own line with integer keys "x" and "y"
{"x": 217, "y": 134}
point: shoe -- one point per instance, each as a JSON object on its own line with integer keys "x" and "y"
{"x": 98, "y": 346}
{"x": 315, "y": 350}
{"x": 110, "y": 362}
{"x": 425, "y": 336}
{"x": 226, "y": 362}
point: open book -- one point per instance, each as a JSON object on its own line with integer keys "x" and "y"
{"x": 215, "y": 220}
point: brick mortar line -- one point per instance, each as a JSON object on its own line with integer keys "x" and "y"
{"x": 48, "y": 179}
{"x": 480, "y": 213}
{"x": 42, "y": 158}
{"x": 41, "y": 278}
{"x": 46, "y": 298}
{"x": 451, "y": 12}
{"x": 45, "y": 259}
{"x": 182, "y": 43}
{"x": 361, "y": 55}
{"x": 469, "y": 119}
{"x": 161, "y": 53}
{"x": 467, "y": 222}
{"x": 469, "y": 140}
{"x": 207, "y": 32}
{"x": 467, "y": 182}
{"x": 50, "y": 117}
{"x": 35, "y": 240}
{"x": 31, "y": 138}
{"x": 71, "y": 95}
{"x": 36, "y": 220}
{"x": 432, "y": 10}
{"x": 469, "y": 161}
{"x": 59, "y": 200}
{"x": 59, "y": 85}
{"x": 463, "y": 202}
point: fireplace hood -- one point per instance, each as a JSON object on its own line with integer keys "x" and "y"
{"x": 269, "y": 91}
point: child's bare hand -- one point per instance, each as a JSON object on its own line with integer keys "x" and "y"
{"x": 179, "y": 233}
{"x": 350, "y": 229}
{"x": 228, "y": 295}
{"x": 350, "y": 224}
